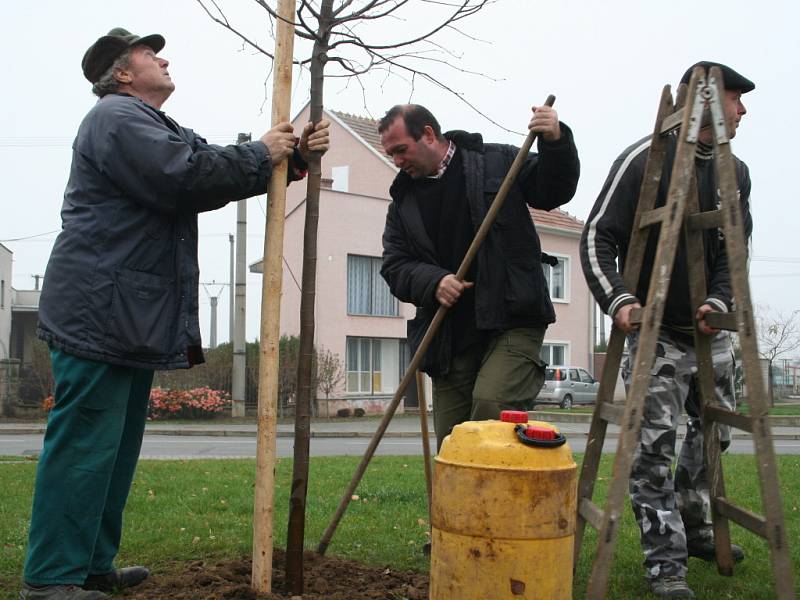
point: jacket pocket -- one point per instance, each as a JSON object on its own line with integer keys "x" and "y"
{"x": 525, "y": 287}
{"x": 142, "y": 313}
{"x": 436, "y": 360}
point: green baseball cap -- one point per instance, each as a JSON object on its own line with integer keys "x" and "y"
{"x": 102, "y": 54}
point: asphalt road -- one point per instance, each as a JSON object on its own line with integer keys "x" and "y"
{"x": 164, "y": 446}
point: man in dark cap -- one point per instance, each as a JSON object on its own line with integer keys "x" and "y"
{"x": 673, "y": 515}
{"x": 120, "y": 300}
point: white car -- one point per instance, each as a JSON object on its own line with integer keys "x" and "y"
{"x": 566, "y": 386}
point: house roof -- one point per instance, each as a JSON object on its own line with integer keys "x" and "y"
{"x": 365, "y": 127}
{"x": 556, "y": 218}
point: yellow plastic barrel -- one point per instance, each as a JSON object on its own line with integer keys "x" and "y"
{"x": 502, "y": 515}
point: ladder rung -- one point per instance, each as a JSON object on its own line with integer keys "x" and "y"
{"x": 591, "y": 512}
{"x": 673, "y": 121}
{"x": 652, "y": 217}
{"x": 612, "y": 413}
{"x": 747, "y": 519}
{"x": 709, "y": 219}
{"x": 728, "y": 417}
{"x": 717, "y": 320}
{"x": 721, "y": 320}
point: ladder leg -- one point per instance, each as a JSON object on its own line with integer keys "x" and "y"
{"x": 675, "y": 209}
{"x": 608, "y": 379}
{"x": 597, "y": 433}
{"x": 761, "y": 431}
{"x": 711, "y": 443}
{"x": 706, "y": 390}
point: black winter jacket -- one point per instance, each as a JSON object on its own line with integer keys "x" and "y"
{"x": 510, "y": 286}
{"x": 608, "y": 231}
{"x": 122, "y": 281}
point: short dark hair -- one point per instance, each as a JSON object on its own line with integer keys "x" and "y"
{"x": 415, "y": 116}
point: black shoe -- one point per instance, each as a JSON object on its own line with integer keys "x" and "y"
{"x": 58, "y": 592}
{"x": 704, "y": 550}
{"x": 116, "y": 580}
{"x": 671, "y": 586}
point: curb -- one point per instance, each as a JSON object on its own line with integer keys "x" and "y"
{"x": 352, "y": 434}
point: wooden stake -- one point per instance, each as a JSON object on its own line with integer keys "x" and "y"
{"x": 270, "y": 312}
{"x": 426, "y": 442}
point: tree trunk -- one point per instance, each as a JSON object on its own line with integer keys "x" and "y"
{"x": 770, "y": 386}
{"x": 305, "y": 393}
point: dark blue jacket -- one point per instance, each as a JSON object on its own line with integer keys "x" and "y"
{"x": 121, "y": 285}
{"x": 510, "y": 290}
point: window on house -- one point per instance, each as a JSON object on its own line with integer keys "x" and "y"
{"x": 372, "y": 365}
{"x": 2, "y": 293}
{"x": 557, "y": 278}
{"x": 341, "y": 178}
{"x": 367, "y": 292}
{"x": 554, "y": 354}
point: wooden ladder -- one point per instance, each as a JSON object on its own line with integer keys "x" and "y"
{"x": 681, "y": 212}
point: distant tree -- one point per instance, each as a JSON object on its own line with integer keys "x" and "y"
{"x": 778, "y": 335}
{"x": 330, "y": 372}
{"x": 288, "y": 349}
{"x": 36, "y": 376}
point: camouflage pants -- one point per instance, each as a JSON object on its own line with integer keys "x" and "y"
{"x": 670, "y": 512}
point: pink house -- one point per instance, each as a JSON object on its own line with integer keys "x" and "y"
{"x": 356, "y": 316}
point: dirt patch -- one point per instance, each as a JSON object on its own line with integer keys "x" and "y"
{"x": 328, "y": 578}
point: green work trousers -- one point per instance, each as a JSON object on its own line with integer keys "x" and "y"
{"x": 94, "y": 434}
{"x": 504, "y": 374}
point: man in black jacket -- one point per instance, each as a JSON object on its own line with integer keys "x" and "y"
{"x": 485, "y": 358}
{"x": 674, "y": 517}
{"x": 120, "y": 300}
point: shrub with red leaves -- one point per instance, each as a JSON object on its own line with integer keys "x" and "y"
{"x": 187, "y": 404}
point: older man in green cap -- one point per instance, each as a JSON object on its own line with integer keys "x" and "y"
{"x": 120, "y": 300}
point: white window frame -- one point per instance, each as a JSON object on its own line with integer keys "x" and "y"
{"x": 372, "y": 365}
{"x": 374, "y": 279}
{"x": 566, "y": 259}
{"x": 565, "y": 344}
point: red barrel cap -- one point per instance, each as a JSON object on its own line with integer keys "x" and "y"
{"x": 540, "y": 433}
{"x": 514, "y": 416}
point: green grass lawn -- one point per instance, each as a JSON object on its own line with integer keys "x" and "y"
{"x": 184, "y": 510}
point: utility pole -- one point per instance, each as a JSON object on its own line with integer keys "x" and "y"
{"x": 213, "y": 327}
{"x": 231, "y": 293}
{"x": 213, "y": 342}
{"x": 240, "y": 306}
{"x": 602, "y": 323}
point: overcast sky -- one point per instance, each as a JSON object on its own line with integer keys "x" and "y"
{"x": 605, "y": 61}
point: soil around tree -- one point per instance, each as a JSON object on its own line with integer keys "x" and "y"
{"x": 326, "y": 577}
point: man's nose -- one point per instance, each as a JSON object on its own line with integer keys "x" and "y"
{"x": 742, "y": 108}
{"x": 164, "y": 62}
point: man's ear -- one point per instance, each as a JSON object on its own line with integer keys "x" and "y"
{"x": 122, "y": 75}
{"x": 428, "y": 134}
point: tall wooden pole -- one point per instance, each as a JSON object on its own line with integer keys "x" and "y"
{"x": 270, "y": 312}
